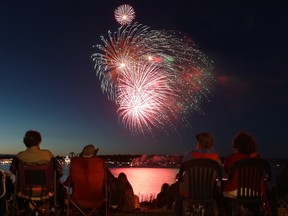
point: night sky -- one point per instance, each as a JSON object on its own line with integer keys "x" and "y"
{"x": 48, "y": 82}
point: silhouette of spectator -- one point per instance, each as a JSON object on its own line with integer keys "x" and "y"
{"x": 282, "y": 183}
{"x": 278, "y": 193}
{"x": 245, "y": 146}
{"x": 128, "y": 200}
{"x": 162, "y": 197}
{"x": 35, "y": 155}
{"x": 172, "y": 192}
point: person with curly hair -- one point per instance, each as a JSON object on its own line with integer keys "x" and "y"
{"x": 244, "y": 146}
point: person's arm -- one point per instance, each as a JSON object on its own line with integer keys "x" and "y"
{"x": 58, "y": 167}
{"x": 227, "y": 164}
{"x": 219, "y": 159}
{"x": 14, "y": 165}
{"x": 109, "y": 175}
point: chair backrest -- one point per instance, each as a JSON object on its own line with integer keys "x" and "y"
{"x": 250, "y": 173}
{"x": 2, "y": 183}
{"x": 202, "y": 174}
{"x": 36, "y": 181}
{"x": 88, "y": 176}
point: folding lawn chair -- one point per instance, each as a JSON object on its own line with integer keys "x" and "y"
{"x": 3, "y": 201}
{"x": 35, "y": 188}
{"x": 88, "y": 184}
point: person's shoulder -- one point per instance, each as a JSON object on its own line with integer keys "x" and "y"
{"x": 189, "y": 152}
{"x": 211, "y": 151}
{"x": 232, "y": 156}
{"x": 47, "y": 151}
{"x": 20, "y": 153}
{"x": 187, "y": 156}
{"x": 235, "y": 157}
{"x": 255, "y": 155}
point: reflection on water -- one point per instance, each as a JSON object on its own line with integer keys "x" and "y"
{"x": 145, "y": 181}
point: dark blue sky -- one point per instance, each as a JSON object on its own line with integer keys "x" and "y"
{"x": 48, "y": 82}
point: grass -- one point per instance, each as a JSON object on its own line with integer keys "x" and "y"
{"x": 145, "y": 212}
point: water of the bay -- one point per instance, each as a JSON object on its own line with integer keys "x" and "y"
{"x": 146, "y": 182}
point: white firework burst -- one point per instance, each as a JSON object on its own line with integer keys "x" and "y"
{"x": 124, "y": 14}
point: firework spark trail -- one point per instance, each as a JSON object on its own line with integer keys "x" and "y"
{"x": 191, "y": 67}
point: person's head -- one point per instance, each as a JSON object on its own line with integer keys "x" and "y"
{"x": 32, "y": 138}
{"x": 244, "y": 143}
{"x": 164, "y": 187}
{"x": 122, "y": 176}
{"x": 89, "y": 151}
{"x": 205, "y": 140}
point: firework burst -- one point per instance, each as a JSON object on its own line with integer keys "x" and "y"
{"x": 143, "y": 95}
{"x": 119, "y": 50}
{"x": 124, "y": 14}
{"x": 156, "y": 77}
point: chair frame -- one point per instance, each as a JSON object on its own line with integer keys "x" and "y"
{"x": 251, "y": 171}
{"x": 46, "y": 177}
{"x": 3, "y": 200}
{"x": 203, "y": 173}
{"x": 71, "y": 185}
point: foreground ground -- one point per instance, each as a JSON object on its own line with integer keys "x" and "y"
{"x": 146, "y": 212}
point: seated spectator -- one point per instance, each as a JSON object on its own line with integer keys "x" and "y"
{"x": 115, "y": 186}
{"x": 204, "y": 149}
{"x": 35, "y": 155}
{"x": 279, "y": 191}
{"x": 128, "y": 200}
{"x": 162, "y": 197}
{"x": 245, "y": 146}
{"x": 89, "y": 151}
{"x": 172, "y": 192}
{"x": 282, "y": 183}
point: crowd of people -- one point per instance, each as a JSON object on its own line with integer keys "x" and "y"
{"x": 244, "y": 146}
{"x": 122, "y": 197}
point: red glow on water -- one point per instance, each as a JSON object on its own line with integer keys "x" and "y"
{"x": 147, "y": 181}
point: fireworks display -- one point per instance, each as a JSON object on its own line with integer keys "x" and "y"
{"x": 157, "y": 78}
{"x": 124, "y": 14}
